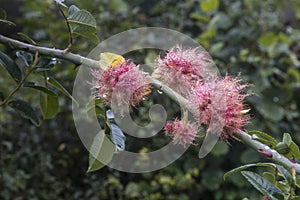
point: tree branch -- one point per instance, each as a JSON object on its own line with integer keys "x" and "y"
{"x": 272, "y": 154}
{"x": 87, "y": 62}
{"x": 74, "y": 58}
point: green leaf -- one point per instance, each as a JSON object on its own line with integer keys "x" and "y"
{"x": 25, "y": 110}
{"x": 86, "y": 32}
{"x": 263, "y": 137}
{"x": 82, "y": 23}
{"x": 61, "y": 88}
{"x": 270, "y": 177}
{"x": 241, "y": 168}
{"x": 287, "y": 176}
{"x": 282, "y": 148}
{"x": 11, "y": 67}
{"x": 101, "y": 152}
{"x": 294, "y": 151}
{"x": 26, "y": 38}
{"x": 209, "y": 5}
{"x": 49, "y": 105}
{"x": 268, "y": 39}
{"x": 295, "y": 198}
{"x": 287, "y": 139}
{"x": 288, "y": 147}
{"x": 40, "y": 88}
{"x": 263, "y": 185}
{"x": 73, "y": 9}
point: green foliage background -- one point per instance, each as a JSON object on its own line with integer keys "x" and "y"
{"x": 260, "y": 39}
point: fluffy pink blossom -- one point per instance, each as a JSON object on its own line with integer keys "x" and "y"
{"x": 222, "y": 96}
{"x": 182, "y": 132}
{"x": 181, "y": 68}
{"x": 124, "y": 84}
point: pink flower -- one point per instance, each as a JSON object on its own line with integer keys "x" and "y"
{"x": 182, "y": 132}
{"x": 181, "y": 69}
{"x": 123, "y": 84}
{"x": 224, "y": 98}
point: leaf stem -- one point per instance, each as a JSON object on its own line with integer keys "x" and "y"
{"x": 69, "y": 29}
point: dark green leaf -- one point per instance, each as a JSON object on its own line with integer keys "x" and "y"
{"x": 27, "y": 38}
{"x": 263, "y": 185}
{"x": 118, "y": 137}
{"x": 295, "y": 198}
{"x": 101, "y": 152}
{"x": 11, "y": 67}
{"x": 287, "y": 176}
{"x": 3, "y": 21}
{"x": 49, "y": 105}
{"x": 2, "y": 14}
{"x": 241, "y": 168}
{"x": 263, "y": 137}
{"x": 81, "y": 18}
{"x": 86, "y": 32}
{"x": 61, "y": 88}
{"x": 25, "y": 110}
{"x": 40, "y": 88}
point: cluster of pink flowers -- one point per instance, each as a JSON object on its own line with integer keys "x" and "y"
{"x": 186, "y": 71}
{"x": 124, "y": 84}
{"x": 223, "y": 96}
{"x": 183, "y": 132}
{"x": 181, "y": 69}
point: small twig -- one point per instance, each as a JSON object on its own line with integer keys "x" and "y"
{"x": 69, "y": 29}
{"x": 74, "y": 58}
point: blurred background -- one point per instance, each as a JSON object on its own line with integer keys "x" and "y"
{"x": 259, "y": 39}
